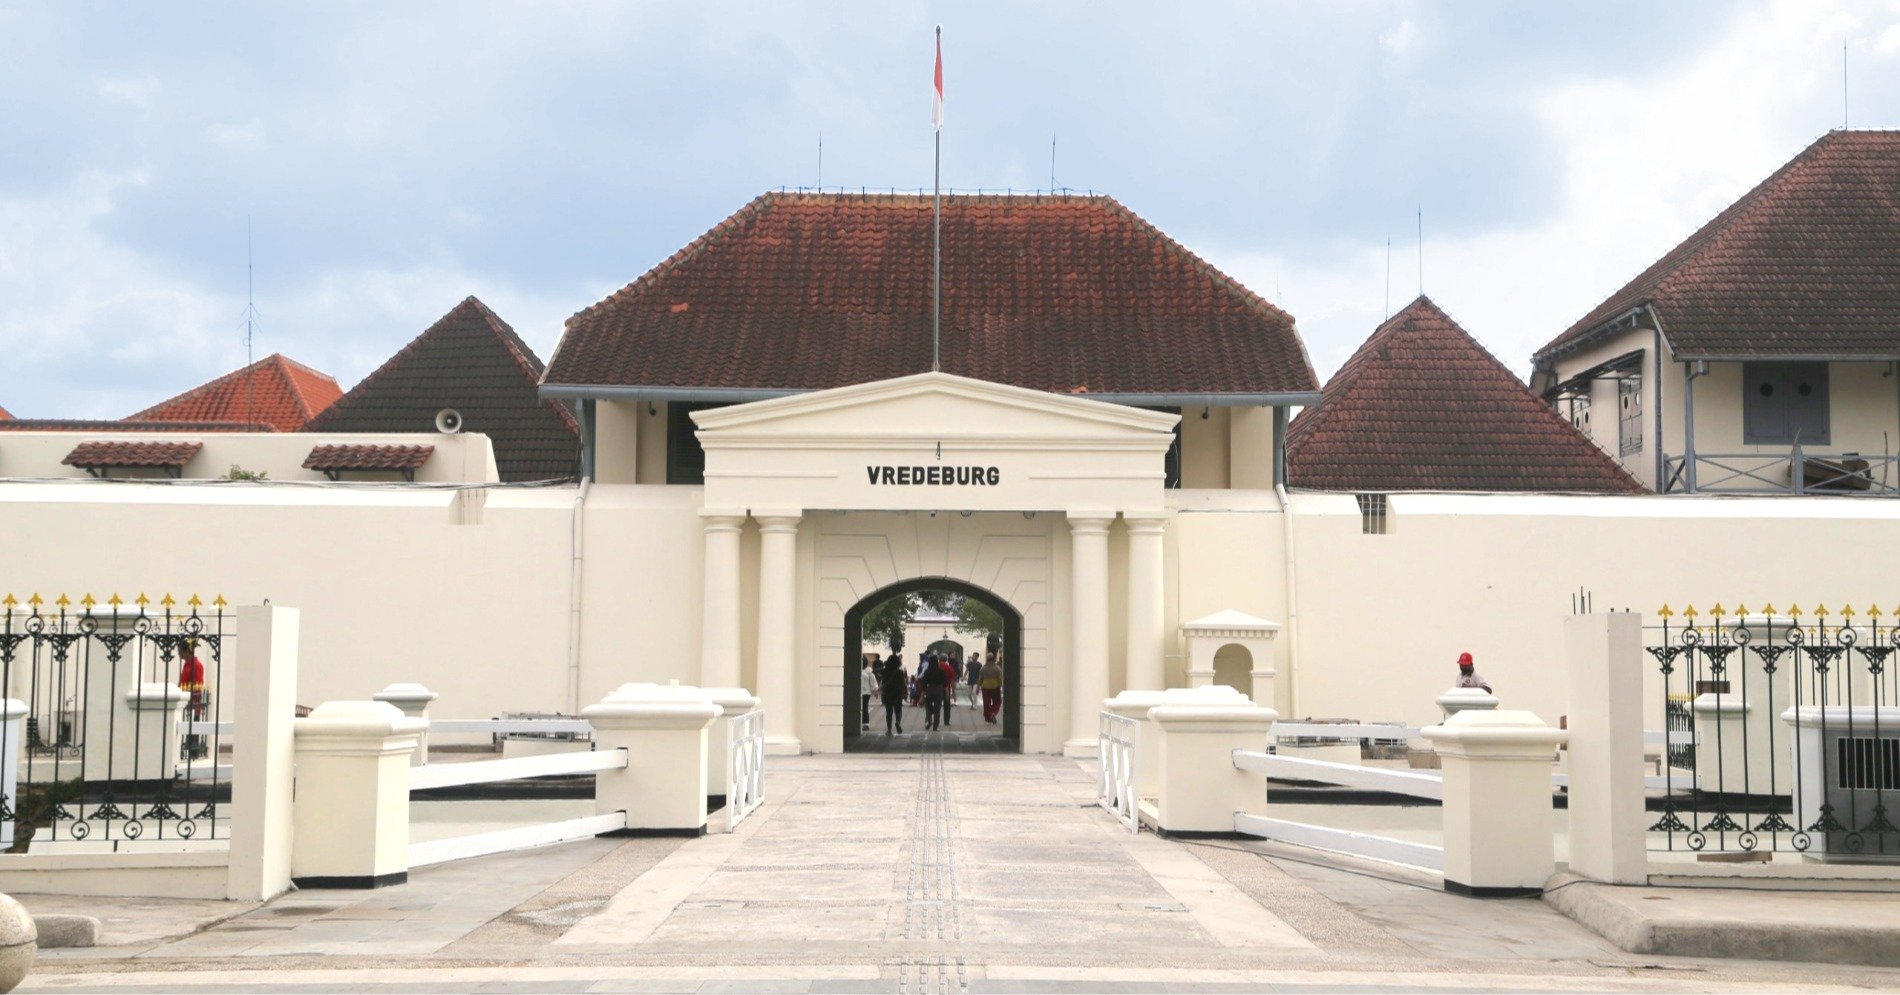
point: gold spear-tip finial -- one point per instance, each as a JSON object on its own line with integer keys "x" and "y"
{"x": 62, "y": 601}
{"x": 1847, "y": 612}
{"x": 219, "y": 601}
{"x": 1768, "y": 609}
{"x": 1741, "y": 611}
{"x": 8, "y": 601}
{"x": 115, "y": 601}
{"x": 86, "y": 600}
{"x": 1664, "y": 611}
{"x": 1718, "y": 611}
{"x": 1873, "y": 611}
{"x": 141, "y": 600}
{"x": 1689, "y": 612}
{"x": 194, "y": 602}
{"x": 1820, "y": 611}
{"x": 167, "y": 601}
{"x": 1794, "y": 611}
{"x": 36, "y": 601}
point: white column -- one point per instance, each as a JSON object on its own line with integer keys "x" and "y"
{"x": 664, "y": 731}
{"x": 1607, "y": 820}
{"x": 719, "y": 623}
{"x": 777, "y": 644}
{"x": 12, "y": 721}
{"x": 1146, "y": 670}
{"x": 263, "y": 761}
{"x": 1198, "y": 788}
{"x": 1500, "y": 831}
{"x": 352, "y": 806}
{"x": 1088, "y": 621}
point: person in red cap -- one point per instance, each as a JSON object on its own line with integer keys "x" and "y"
{"x": 1468, "y": 677}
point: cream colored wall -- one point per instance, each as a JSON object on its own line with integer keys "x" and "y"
{"x": 1204, "y": 447}
{"x": 1863, "y": 411}
{"x": 653, "y": 443}
{"x": 617, "y": 446}
{"x": 1223, "y": 549}
{"x": 1382, "y": 618}
{"x": 1250, "y": 451}
{"x": 464, "y": 458}
{"x": 1657, "y": 387}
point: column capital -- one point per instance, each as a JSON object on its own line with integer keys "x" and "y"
{"x": 721, "y": 521}
{"x": 1090, "y": 522}
{"x": 1146, "y": 523}
{"x": 777, "y": 520}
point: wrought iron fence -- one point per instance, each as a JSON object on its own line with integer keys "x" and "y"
{"x": 1795, "y": 726}
{"x": 119, "y": 738}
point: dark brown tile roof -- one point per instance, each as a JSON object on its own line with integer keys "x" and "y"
{"x": 1805, "y": 264}
{"x": 274, "y": 391}
{"x": 109, "y": 425}
{"x": 367, "y": 457}
{"x": 1423, "y": 407}
{"x": 91, "y": 455}
{"x": 1071, "y": 294}
{"x": 473, "y": 362}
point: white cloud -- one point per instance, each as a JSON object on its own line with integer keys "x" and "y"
{"x": 250, "y": 134}
{"x": 141, "y": 92}
{"x": 1645, "y": 163}
{"x": 1402, "y": 38}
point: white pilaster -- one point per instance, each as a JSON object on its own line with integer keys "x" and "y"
{"x": 352, "y": 806}
{"x": 1088, "y": 620}
{"x": 1145, "y": 610}
{"x": 719, "y": 625}
{"x": 263, "y": 762}
{"x": 777, "y": 643}
{"x": 1500, "y": 830}
{"x": 412, "y": 700}
{"x": 1607, "y": 821}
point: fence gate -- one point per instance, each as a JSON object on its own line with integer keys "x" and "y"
{"x": 745, "y": 773}
{"x": 1118, "y": 789}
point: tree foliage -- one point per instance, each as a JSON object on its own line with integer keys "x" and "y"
{"x": 885, "y": 622}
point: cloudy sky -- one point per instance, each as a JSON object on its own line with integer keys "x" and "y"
{"x": 392, "y": 159}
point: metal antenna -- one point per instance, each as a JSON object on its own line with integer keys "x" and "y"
{"x": 821, "y": 161}
{"x": 1421, "y": 250}
{"x": 936, "y": 221}
{"x": 1843, "y": 84}
{"x": 1052, "y": 162}
{"x": 250, "y": 321}
{"x": 1388, "y": 274}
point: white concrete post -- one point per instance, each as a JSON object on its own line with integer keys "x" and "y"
{"x": 719, "y": 623}
{"x": 733, "y": 702}
{"x": 663, "y": 787}
{"x": 1604, "y": 657}
{"x": 1145, "y": 609}
{"x": 352, "y": 808}
{"x": 1500, "y": 826}
{"x": 263, "y": 759}
{"x": 1200, "y": 789}
{"x": 1457, "y": 700}
{"x": 12, "y": 725}
{"x": 149, "y": 732}
{"x": 1088, "y": 642}
{"x": 412, "y": 700}
{"x": 778, "y": 643}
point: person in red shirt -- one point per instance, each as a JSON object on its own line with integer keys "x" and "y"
{"x": 191, "y": 673}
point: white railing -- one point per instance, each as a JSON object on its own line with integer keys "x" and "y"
{"x": 497, "y": 727}
{"x": 1340, "y": 731}
{"x": 1417, "y": 784}
{"x": 513, "y": 768}
{"x": 1116, "y": 791}
{"x": 484, "y": 771}
{"x": 745, "y": 770}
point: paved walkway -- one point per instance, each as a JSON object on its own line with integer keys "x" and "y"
{"x": 905, "y": 874}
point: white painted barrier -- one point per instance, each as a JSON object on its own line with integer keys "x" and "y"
{"x": 505, "y": 726}
{"x": 1119, "y": 746}
{"x": 745, "y": 769}
{"x": 1417, "y": 784}
{"x": 1384, "y": 848}
{"x": 485, "y": 771}
{"x": 522, "y": 837}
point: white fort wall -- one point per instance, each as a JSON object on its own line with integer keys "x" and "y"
{"x": 393, "y": 587}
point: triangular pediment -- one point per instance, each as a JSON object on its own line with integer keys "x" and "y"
{"x": 933, "y": 405}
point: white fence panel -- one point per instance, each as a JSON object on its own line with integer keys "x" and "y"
{"x": 1340, "y": 731}
{"x": 540, "y": 834}
{"x": 483, "y": 771}
{"x": 745, "y": 775}
{"x": 1116, "y": 791}
{"x": 500, "y": 726}
{"x": 1417, "y": 784}
{"x": 1342, "y": 841}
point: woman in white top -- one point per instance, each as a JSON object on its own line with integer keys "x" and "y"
{"x": 867, "y": 685}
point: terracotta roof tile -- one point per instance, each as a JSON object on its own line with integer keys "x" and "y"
{"x": 273, "y": 391}
{"x": 108, "y": 425}
{"x": 1805, "y": 264}
{"x": 90, "y": 455}
{"x": 1423, "y": 406}
{"x": 4, "y": 415}
{"x": 367, "y": 457}
{"x": 469, "y": 360}
{"x": 1069, "y": 294}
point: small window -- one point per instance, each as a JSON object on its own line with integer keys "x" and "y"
{"x": 1785, "y": 401}
{"x": 1372, "y": 517}
{"x": 1629, "y": 415}
{"x": 685, "y": 460}
{"x": 1576, "y": 407}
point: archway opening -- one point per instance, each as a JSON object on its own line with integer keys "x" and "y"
{"x": 973, "y": 638}
{"x": 1233, "y": 666}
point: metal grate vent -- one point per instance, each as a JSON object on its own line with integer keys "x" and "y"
{"x": 1863, "y": 763}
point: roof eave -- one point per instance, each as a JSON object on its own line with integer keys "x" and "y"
{"x": 737, "y": 395}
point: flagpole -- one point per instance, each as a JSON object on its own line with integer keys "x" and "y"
{"x": 936, "y": 229}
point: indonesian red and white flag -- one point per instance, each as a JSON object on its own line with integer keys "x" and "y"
{"x": 936, "y": 103}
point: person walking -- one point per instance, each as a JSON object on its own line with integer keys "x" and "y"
{"x": 971, "y": 672}
{"x": 933, "y": 685}
{"x": 951, "y": 681}
{"x": 991, "y": 682}
{"x": 891, "y": 690}
{"x": 1468, "y": 677}
{"x": 867, "y": 686}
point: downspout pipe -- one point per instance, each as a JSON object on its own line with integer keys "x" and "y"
{"x": 1292, "y": 603}
{"x": 576, "y": 539}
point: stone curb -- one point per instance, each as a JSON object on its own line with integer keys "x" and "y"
{"x": 1833, "y": 942}
{"x": 61, "y": 930}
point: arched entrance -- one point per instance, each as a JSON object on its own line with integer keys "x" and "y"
{"x": 1010, "y": 648}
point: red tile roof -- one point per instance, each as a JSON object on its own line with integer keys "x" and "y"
{"x": 471, "y": 361}
{"x": 107, "y": 425}
{"x": 1805, "y": 264}
{"x": 4, "y": 415}
{"x": 1423, "y": 406}
{"x": 367, "y": 457}
{"x": 273, "y": 391}
{"x": 91, "y": 455}
{"x": 1071, "y": 294}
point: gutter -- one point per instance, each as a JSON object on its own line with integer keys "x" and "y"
{"x": 576, "y": 536}
{"x": 739, "y": 395}
{"x": 1292, "y": 604}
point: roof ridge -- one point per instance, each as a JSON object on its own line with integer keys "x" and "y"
{"x": 1683, "y": 253}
